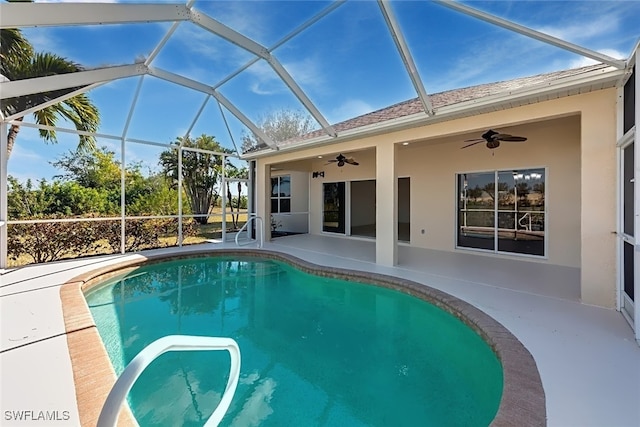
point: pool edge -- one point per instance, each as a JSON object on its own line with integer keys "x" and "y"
{"x": 523, "y": 397}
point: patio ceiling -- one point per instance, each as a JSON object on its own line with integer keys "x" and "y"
{"x": 211, "y": 29}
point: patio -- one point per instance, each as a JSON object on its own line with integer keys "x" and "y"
{"x": 581, "y": 351}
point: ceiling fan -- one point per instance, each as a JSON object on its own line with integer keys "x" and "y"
{"x": 493, "y": 138}
{"x": 342, "y": 160}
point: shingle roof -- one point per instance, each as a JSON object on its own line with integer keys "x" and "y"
{"x": 441, "y": 99}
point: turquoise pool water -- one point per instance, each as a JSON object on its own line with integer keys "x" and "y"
{"x": 315, "y": 351}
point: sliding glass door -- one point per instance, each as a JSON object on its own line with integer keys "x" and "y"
{"x": 502, "y": 211}
{"x": 476, "y": 210}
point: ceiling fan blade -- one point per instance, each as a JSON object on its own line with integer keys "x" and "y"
{"x": 474, "y": 140}
{"x": 510, "y": 138}
{"x": 474, "y": 143}
{"x": 332, "y": 161}
{"x": 352, "y": 162}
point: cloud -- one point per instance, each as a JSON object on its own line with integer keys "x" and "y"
{"x": 263, "y": 80}
{"x": 349, "y": 109}
{"x": 203, "y": 55}
{"x": 197, "y": 40}
{"x": 583, "y": 61}
{"x": 471, "y": 66}
{"x": 580, "y": 32}
{"x": 305, "y": 72}
{"x": 243, "y": 18}
{"x": 27, "y": 164}
{"x": 44, "y": 40}
{"x": 236, "y": 15}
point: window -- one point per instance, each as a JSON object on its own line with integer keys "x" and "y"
{"x": 281, "y": 194}
{"x": 502, "y": 211}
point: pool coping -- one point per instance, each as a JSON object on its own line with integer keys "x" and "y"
{"x": 523, "y": 397}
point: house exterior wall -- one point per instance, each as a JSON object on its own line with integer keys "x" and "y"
{"x": 332, "y": 173}
{"x": 554, "y": 145}
{"x": 573, "y": 137}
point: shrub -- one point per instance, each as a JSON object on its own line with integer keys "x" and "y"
{"x": 45, "y": 242}
{"x": 52, "y": 241}
{"x": 144, "y": 233}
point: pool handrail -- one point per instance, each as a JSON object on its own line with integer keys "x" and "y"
{"x": 260, "y": 225}
{"x": 111, "y": 409}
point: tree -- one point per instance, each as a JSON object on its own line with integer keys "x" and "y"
{"x": 475, "y": 193}
{"x": 19, "y": 61}
{"x": 234, "y": 172}
{"x": 279, "y": 125}
{"x": 200, "y": 172}
{"x": 98, "y": 169}
{"x": 490, "y": 189}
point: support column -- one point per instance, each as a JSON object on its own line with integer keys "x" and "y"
{"x": 598, "y": 205}
{"x": 263, "y": 201}
{"x": 224, "y": 199}
{"x": 386, "y": 205}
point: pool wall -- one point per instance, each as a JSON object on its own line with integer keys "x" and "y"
{"x": 523, "y": 398}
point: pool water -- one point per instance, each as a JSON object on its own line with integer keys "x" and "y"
{"x": 315, "y": 351}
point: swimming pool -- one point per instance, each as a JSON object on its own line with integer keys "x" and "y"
{"x": 316, "y": 351}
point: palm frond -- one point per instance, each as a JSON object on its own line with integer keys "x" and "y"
{"x": 14, "y": 49}
{"x": 79, "y": 110}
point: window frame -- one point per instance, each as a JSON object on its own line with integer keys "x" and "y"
{"x": 278, "y": 197}
{"x": 496, "y": 211}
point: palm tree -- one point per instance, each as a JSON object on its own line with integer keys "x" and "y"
{"x": 13, "y": 47}
{"x": 200, "y": 172}
{"x": 234, "y": 172}
{"x": 20, "y": 62}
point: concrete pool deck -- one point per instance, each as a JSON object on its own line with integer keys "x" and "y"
{"x": 588, "y": 361}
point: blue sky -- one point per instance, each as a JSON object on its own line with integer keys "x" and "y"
{"x": 346, "y": 63}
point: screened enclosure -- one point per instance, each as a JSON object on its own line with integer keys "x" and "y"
{"x": 181, "y": 91}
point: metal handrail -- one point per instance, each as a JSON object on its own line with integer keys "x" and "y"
{"x": 252, "y": 217}
{"x": 525, "y": 226}
{"x": 109, "y": 414}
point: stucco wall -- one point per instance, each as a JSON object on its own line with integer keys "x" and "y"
{"x": 554, "y": 145}
{"x": 574, "y": 137}
{"x": 333, "y": 173}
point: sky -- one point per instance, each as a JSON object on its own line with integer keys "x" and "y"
{"x": 346, "y": 63}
